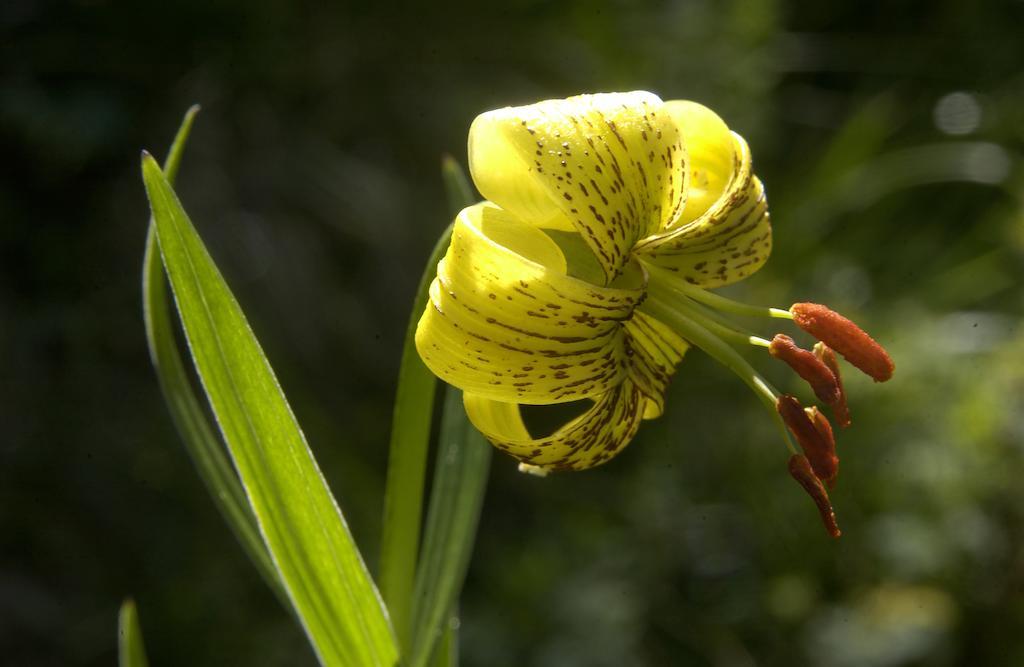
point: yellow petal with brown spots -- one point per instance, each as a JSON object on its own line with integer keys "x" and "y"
{"x": 656, "y": 350}
{"x": 710, "y": 155}
{"x": 729, "y": 241}
{"x": 506, "y": 322}
{"x": 611, "y": 164}
{"x": 584, "y": 442}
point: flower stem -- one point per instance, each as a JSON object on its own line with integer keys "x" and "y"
{"x": 716, "y": 301}
{"x": 407, "y": 465}
{"x": 718, "y": 324}
{"x": 662, "y": 306}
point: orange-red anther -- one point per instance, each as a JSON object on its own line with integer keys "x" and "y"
{"x": 844, "y": 337}
{"x": 821, "y": 424}
{"x": 840, "y": 412}
{"x": 800, "y": 470}
{"x": 808, "y": 366}
{"x": 819, "y": 447}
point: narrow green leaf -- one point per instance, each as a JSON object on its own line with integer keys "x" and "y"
{"x": 319, "y": 564}
{"x": 202, "y": 444}
{"x": 130, "y": 650}
{"x": 457, "y": 188}
{"x": 447, "y": 652}
{"x": 460, "y": 480}
{"x": 410, "y": 436}
{"x": 407, "y": 462}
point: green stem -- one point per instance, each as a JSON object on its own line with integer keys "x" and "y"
{"x": 714, "y": 300}
{"x": 410, "y": 437}
{"x": 456, "y": 498}
{"x": 662, "y": 306}
{"x": 717, "y": 325}
{"x": 407, "y": 464}
{"x": 447, "y": 652}
{"x": 131, "y": 650}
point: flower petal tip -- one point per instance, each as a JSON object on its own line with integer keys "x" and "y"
{"x": 536, "y": 471}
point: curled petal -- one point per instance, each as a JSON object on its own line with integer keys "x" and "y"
{"x": 654, "y": 351}
{"x": 710, "y": 156}
{"x": 609, "y": 166}
{"x": 506, "y": 322}
{"x": 584, "y": 442}
{"x": 732, "y": 237}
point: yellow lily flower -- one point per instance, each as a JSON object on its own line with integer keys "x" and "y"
{"x": 585, "y": 273}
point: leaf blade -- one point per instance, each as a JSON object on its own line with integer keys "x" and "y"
{"x": 131, "y": 652}
{"x": 460, "y": 482}
{"x": 200, "y": 440}
{"x": 302, "y": 526}
{"x": 410, "y": 436}
{"x": 439, "y": 577}
{"x": 407, "y": 462}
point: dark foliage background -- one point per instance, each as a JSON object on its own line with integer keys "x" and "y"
{"x": 889, "y": 135}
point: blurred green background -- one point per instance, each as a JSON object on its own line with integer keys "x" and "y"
{"x": 889, "y": 136}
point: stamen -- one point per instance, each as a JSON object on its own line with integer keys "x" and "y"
{"x": 845, "y": 337}
{"x": 808, "y": 366}
{"x": 716, "y": 301}
{"x": 800, "y": 470}
{"x": 818, "y": 446}
{"x": 717, "y": 324}
{"x": 665, "y": 308}
{"x": 840, "y": 412}
{"x": 820, "y": 422}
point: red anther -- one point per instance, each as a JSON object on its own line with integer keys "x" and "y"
{"x": 845, "y": 337}
{"x": 818, "y": 447}
{"x": 821, "y": 424}
{"x": 840, "y": 412}
{"x": 808, "y": 366}
{"x": 800, "y": 470}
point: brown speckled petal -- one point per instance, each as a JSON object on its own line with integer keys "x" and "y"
{"x": 612, "y": 165}
{"x": 584, "y": 442}
{"x": 506, "y": 322}
{"x": 724, "y": 234}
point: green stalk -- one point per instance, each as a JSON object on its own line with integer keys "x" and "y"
{"x": 131, "y": 652}
{"x": 407, "y": 463}
{"x": 715, "y": 300}
{"x": 717, "y": 325}
{"x": 460, "y": 481}
{"x": 662, "y": 306}
{"x": 410, "y": 439}
{"x": 447, "y": 652}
